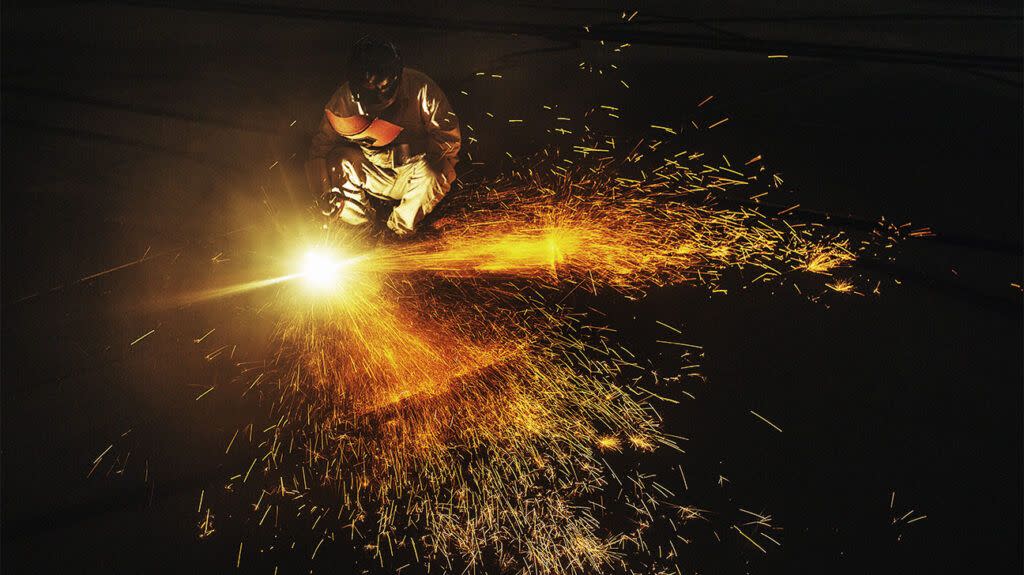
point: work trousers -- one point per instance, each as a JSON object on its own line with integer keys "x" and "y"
{"x": 415, "y": 186}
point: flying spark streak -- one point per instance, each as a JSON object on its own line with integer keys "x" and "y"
{"x": 449, "y": 384}
{"x": 747, "y": 537}
{"x": 233, "y": 290}
{"x": 321, "y": 271}
{"x": 142, "y": 337}
{"x": 762, "y": 418}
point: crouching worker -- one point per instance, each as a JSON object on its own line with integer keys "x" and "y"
{"x": 388, "y": 141}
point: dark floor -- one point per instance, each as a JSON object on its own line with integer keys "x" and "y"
{"x": 137, "y": 132}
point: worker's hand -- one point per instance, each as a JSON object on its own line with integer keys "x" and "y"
{"x": 332, "y": 202}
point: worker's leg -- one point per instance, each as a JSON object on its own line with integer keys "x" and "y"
{"x": 356, "y": 176}
{"x": 418, "y": 189}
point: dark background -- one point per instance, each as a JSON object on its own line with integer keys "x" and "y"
{"x": 141, "y": 133}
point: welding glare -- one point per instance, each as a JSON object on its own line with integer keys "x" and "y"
{"x": 321, "y": 270}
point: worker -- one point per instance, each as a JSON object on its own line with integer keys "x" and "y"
{"x": 388, "y": 140}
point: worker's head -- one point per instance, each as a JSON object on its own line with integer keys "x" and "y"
{"x": 374, "y": 71}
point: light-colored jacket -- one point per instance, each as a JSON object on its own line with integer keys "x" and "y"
{"x": 420, "y": 121}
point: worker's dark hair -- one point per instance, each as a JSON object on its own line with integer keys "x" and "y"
{"x": 373, "y": 57}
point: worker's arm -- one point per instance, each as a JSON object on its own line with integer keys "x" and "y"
{"x": 324, "y": 142}
{"x": 442, "y": 127}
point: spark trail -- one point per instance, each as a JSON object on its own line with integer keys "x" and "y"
{"x": 461, "y": 408}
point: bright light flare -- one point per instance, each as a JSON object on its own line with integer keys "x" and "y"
{"x": 321, "y": 270}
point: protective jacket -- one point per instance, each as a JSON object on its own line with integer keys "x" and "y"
{"x": 420, "y": 124}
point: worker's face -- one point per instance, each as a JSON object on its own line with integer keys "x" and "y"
{"x": 376, "y": 93}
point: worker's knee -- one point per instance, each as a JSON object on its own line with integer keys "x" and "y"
{"x": 424, "y": 190}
